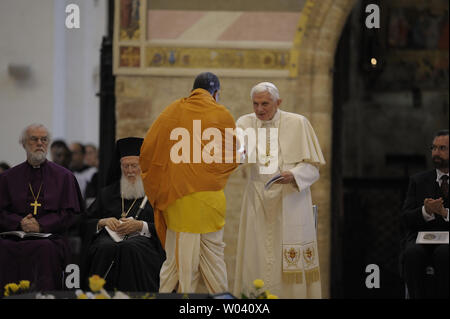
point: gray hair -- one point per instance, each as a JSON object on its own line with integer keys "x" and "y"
{"x": 266, "y": 87}
{"x": 24, "y": 134}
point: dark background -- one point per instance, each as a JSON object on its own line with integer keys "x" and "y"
{"x": 385, "y": 117}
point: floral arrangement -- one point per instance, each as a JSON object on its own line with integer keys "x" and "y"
{"x": 96, "y": 284}
{"x": 17, "y": 289}
{"x": 258, "y": 291}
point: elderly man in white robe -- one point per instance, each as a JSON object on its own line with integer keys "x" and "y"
{"x": 277, "y": 237}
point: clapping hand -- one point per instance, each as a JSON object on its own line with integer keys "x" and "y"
{"x": 435, "y": 206}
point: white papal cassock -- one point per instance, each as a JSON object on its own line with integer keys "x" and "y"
{"x": 277, "y": 237}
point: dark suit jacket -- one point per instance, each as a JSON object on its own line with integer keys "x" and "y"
{"x": 422, "y": 185}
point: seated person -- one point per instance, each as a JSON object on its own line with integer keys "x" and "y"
{"x": 60, "y": 153}
{"x": 42, "y": 197}
{"x": 83, "y": 173}
{"x": 426, "y": 209}
{"x": 138, "y": 258}
{"x": 91, "y": 160}
{"x": 91, "y": 156}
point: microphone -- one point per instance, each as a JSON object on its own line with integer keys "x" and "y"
{"x": 141, "y": 208}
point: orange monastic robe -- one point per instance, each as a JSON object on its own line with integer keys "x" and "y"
{"x": 166, "y": 181}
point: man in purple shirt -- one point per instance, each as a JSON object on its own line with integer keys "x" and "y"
{"x": 37, "y": 196}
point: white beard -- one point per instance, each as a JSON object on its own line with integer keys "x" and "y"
{"x": 130, "y": 190}
{"x": 37, "y": 158}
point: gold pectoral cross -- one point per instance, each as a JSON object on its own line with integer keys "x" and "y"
{"x": 35, "y": 206}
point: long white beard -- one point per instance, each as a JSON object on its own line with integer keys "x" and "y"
{"x": 132, "y": 190}
{"x": 37, "y": 158}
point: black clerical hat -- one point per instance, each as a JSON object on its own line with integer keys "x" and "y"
{"x": 129, "y": 146}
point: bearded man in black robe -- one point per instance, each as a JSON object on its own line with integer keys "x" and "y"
{"x": 132, "y": 263}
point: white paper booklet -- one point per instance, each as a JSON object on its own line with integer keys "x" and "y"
{"x": 272, "y": 180}
{"x": 115, "y": 236}
{"x": 432, "y": 237}
{"x": 23, "y": 234}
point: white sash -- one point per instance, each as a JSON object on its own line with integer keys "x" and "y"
{"x": 300, "y": 255}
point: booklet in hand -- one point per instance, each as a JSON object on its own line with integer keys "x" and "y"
{"x": 23, "y": 234}
{"x": 115, "y": 236}
{"x": 273, "y": 180}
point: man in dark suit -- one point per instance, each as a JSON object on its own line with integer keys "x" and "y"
{"x": 426, "y": 209}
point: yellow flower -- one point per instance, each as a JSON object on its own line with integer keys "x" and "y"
{"x": 82, "y": 296}
{"x": 11, "y": 288}
{"x": 24, "y": 284}
{"x": 101, "y": 296}
{"x": 270, "y": 296}
{"x": 258, "y": 283}
{"x": 96, "y": 283}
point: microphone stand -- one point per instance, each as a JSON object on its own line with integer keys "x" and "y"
{"x": 141, "y": 208}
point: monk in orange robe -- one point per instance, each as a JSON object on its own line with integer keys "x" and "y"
{"x": 184, "y": 180}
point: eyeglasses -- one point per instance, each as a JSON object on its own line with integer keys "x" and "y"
{"x": 35, "y": 139}
{"x": 442, "y": 148}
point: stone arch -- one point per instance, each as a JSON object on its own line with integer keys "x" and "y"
{"x": 314, "y": 96}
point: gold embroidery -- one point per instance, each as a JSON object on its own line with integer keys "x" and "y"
{"x": 309, "y": 256}
{"x": 292, "y": 256}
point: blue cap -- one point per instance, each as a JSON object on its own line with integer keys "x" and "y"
{"x": 207, "y": 81}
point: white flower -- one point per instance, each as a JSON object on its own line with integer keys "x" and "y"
{"x": 78, "y": 292}
{"x": 120, "y": 295}
{"x": 41, "y": 296}
{"x": 90, "y": 295}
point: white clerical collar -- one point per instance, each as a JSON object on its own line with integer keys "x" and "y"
{"x": 273, "y": 121}
{"x": 36, "y": 166}
{"x": 439, "y": 174}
